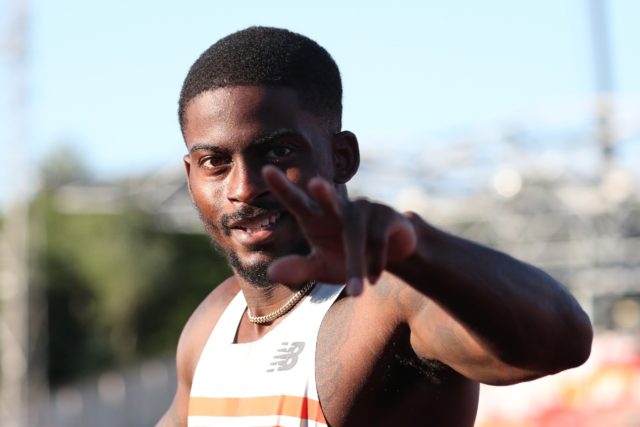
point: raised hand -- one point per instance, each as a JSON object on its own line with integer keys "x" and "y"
{"x": 349, "y": 240}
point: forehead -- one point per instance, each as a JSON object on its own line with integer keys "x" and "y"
{"x": 240, "y": 113}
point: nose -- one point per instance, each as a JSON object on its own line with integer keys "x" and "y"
{"x": 245, "y": 182}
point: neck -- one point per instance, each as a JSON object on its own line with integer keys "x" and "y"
{"x": 264, "y": 300}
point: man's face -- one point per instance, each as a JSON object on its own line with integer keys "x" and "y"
{"x": 231, "y": 133}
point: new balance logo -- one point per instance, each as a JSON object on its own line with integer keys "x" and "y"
{"x": 287, "y": 356}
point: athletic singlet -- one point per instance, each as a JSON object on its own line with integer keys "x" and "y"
{"x": 266, "y": 383}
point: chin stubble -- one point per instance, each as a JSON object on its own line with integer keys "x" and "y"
{"x": 255, "y": 274}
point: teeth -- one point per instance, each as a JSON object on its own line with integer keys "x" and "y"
{"x": 270, "y": 220}
{"x": 252, "y": 228}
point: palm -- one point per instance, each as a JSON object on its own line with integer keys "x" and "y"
{"x": 349, "y": 240}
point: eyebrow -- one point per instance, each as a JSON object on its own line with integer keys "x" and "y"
{"x": 205, "y": 147}
{"x": 261, "y": 140}
{"x": 271, "y": 137}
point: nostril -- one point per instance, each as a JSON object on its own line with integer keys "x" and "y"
{"x": 244, "y": 186}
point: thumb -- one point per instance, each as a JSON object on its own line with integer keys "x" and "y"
{"x": 292, "y": 270}
{"x": 402, "y": 240}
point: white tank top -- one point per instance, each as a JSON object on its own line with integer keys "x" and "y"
{"x": 266, "y": 383}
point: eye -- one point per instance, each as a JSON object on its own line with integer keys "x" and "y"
{"x": 277, "y": 152}
{"x": 213, "y": 162}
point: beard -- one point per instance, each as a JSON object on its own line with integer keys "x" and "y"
{"x": 255, "y": 273}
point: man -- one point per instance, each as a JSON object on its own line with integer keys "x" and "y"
{"x": 424, "y": 317}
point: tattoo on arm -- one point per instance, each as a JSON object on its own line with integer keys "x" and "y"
{"x": 328, "y": 361}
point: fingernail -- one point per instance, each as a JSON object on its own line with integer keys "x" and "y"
{"x": 354, "y": 286}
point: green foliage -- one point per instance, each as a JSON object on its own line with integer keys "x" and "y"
{"x": 192, "y": 271}
{"x": 63, "y": 166}
{"x": 116, "y": 287}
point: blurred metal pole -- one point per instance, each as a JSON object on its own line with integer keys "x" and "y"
{"x": 604, "y": 81}
{"x": 14, "y": 278}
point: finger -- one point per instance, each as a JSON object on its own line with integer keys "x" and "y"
{"x": 324, "y": 195}
{"x": 377, "y": 244}
{"x": 354, "y": 247}
{"x": 402, "y": 239}
{"x": 293, "y": 269}
{"x": 292, "y": 197}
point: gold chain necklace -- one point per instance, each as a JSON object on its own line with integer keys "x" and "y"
{"x": 295, "y": 298}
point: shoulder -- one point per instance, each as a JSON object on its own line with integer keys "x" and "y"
{"x": 390, "y": 311}
{"x": 199, "y": 326}
{"x": 374, "y": 316}
{"x": 393, "y": 300}
{"x": 192, "y": 340}
{"x": 365, "y": 349}
{"x": 389, "y": 302}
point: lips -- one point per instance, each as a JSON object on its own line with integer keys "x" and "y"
{"x": 259, "y": 230}
{"x": 256, "y": 224}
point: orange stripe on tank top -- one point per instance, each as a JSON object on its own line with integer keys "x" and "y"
{"x": 292, "y": 406}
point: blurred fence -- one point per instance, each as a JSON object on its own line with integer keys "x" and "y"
{"x": 135, "y": 397}
{"x": 604, "y": 391}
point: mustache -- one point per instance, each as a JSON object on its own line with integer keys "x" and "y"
{"x": 246, "y": 212}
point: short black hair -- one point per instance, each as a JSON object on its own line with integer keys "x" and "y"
{"x": 269, "y": 56}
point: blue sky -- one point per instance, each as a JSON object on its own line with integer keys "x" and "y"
{"x": 104, "y": 76}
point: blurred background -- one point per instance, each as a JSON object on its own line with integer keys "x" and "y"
{"x": 515, "y": 124}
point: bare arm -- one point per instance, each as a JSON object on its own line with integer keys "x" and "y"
{"x": 173, "y": 417}
{"x": 512, "y": 321}
{"x": 176, "y": 415}
{"x": 192, "y": 341}
{"x": 487, "y": 315}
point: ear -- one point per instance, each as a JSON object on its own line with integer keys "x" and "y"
{"x": 187, "y": 167}
{"x": 346, "y": 156}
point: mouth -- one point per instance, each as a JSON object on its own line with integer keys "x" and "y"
{"x": 257, "y": 231}
{"x": 257, "y": 224}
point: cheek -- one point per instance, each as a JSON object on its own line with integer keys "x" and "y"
{"x": 300, "y": 176}
{"x": 324, "y": 164}
{"x": 302, "y": 172}
{"x": 206, "y": 198}
{"x": 294, "y": 175}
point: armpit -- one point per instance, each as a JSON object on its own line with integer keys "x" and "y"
{"x": 430, "y": 370}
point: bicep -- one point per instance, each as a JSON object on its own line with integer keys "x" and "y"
{"x": 171, "y": 418}
{"x": 190, "y": 345}
{"x": 435, "y": 335}
{"x": 189, "y": 342}
{"x": 176, "y": 414}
